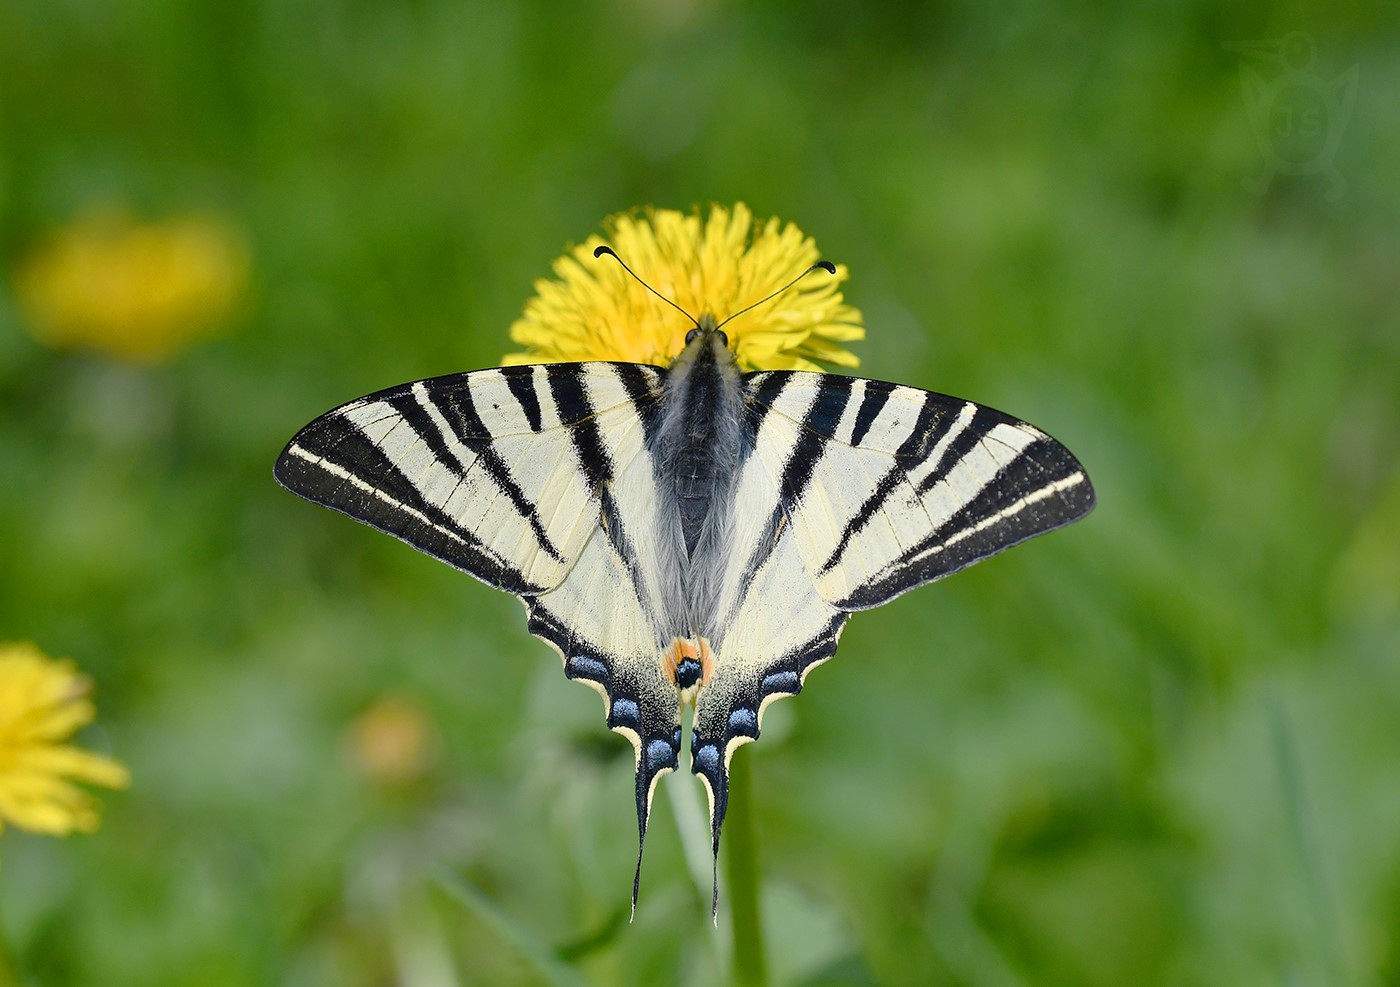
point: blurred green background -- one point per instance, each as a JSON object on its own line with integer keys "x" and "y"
{"x": 1160, "y": 747}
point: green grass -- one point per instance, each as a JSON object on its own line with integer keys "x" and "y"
{"x": 1156, "y": 748}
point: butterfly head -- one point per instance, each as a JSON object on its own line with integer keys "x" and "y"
{"x": 707, "y": 337}
{"x": 706, "y": 325}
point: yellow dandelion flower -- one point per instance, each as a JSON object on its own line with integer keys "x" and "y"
{"x": 42, "y": 702}
{"x": 133, "y": 291}
{"x": 716, "y": 265}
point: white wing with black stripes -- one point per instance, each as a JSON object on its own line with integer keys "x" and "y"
{"x": 890, "y": 487}
{"x": 534, "y": 480}
{"x": 856, "y": 491}
{"x": 570, "y": 485}
{"x": 495, "y": 472}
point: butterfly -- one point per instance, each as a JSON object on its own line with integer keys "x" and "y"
{"x": 688, "y": 534}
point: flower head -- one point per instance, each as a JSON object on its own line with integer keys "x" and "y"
{"x": 134, "y": 291}
{"x": 715, "y": 265}
{"x": 42, "y": 702}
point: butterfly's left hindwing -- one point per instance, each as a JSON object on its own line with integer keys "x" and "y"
{"x": 605, "y": 618}
{"x": 774, "y": 630}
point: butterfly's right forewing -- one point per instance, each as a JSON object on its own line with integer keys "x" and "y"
{"x": 891, "y": 487}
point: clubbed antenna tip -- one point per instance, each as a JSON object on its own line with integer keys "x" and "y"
{"x": 603, "y": 249}
{"x": 824, "y": 265}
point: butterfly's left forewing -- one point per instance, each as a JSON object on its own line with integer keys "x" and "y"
{"x": 493, "y": 472}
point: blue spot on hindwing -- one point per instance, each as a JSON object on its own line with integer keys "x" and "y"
{"x": 624, "y": 713}
{"x": 707, "y": 759}
{"x": 788, "y": 682}
{"x": 688, "y": 673}
{"x": 743, "y": 722}
{"x": 659, "y": 754}
{"x": 583, "y": 667}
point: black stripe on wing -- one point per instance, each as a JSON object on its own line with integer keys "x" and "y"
{"x": 871, "y": 403}
{"x": 569, "y": 389}
{"x": 620, "y": 537}
{"x": 813, "y": 439}
{"x": 929, "y": 429}
{"x": 763, "y": 548}
{"x": 521, "y": 381}
{"x": 451, "y": 424}
{"x": 1042, "y": 489}
{"x": 643, "y": 385}
{"x": 763, "y": 390}
{"x": 936, "y": 448}
{"x": 330, "y": 462}
{"x": 460, "y": 415}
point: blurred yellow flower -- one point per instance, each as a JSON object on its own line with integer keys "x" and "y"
{"x": 392, "y": 742}
{"x": 42, "y": 702}
{"x": 134, "y": 291}
{"x": 717, "y": 265}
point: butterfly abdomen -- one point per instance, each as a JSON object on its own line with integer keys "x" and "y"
{"x": 699, "y": 447}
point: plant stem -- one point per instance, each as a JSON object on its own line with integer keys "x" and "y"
{"x": 9, "y": 970}
{"x": 1305, "y": 845}
{"x": 741, "y": 873}
{"x": 546, "y": 962}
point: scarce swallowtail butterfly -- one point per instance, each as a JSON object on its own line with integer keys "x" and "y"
{"x": 690, "y": 533}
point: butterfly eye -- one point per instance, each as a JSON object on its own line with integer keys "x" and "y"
{"x": 692, "y": 336}
{"x": 723, "y": 339}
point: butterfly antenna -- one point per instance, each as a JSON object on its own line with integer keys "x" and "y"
{"x": 824, "y": 265}
{"x": 605, "y": 249}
